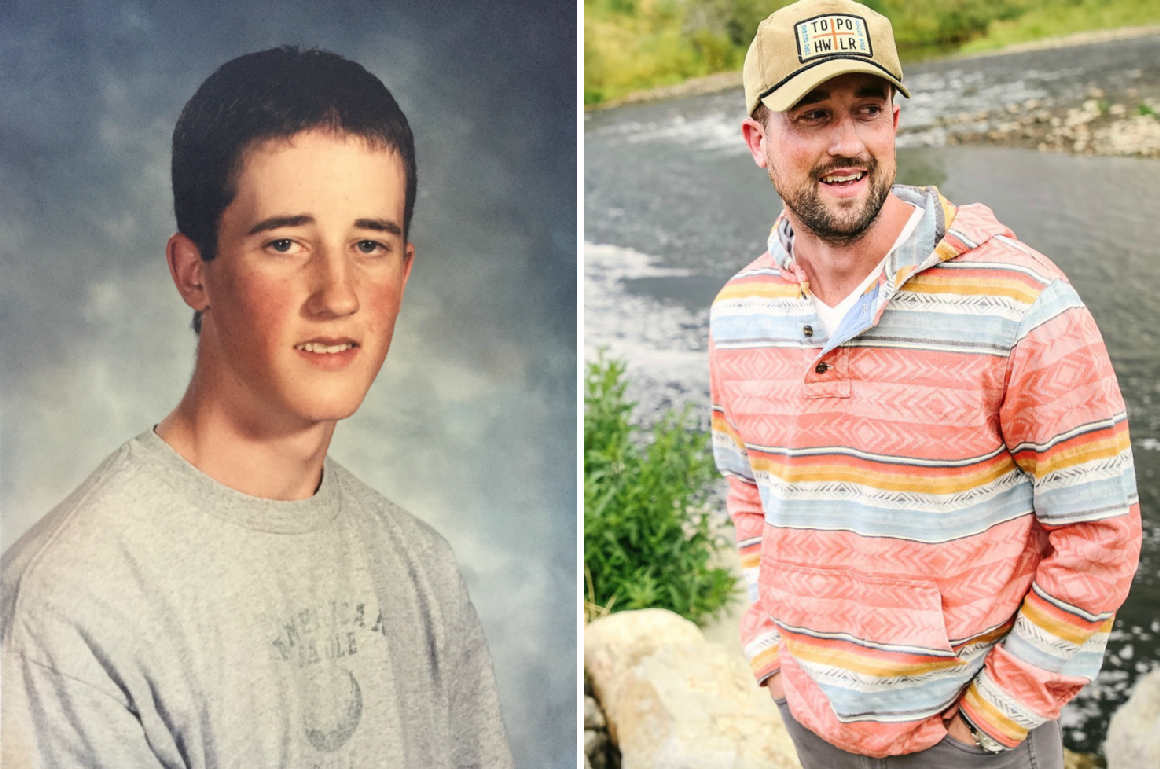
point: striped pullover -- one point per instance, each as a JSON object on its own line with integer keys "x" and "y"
{"x": 937, "y": 505}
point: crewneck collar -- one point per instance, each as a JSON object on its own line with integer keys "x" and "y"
{"x": 220, "y": 501}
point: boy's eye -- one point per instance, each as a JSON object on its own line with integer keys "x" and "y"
{"x": 370, "y": 246}
{"x": 281, "y": 245}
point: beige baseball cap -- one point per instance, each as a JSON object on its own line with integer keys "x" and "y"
{"x": 800, "y": 46}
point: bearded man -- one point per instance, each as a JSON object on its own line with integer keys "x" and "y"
{"x": 926, "y": 448}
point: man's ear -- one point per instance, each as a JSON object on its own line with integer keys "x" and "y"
{"x": 187, "y": 269}
{"x": 754, "y": 134}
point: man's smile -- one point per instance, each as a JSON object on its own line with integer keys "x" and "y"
{"x": 843, "y": 178}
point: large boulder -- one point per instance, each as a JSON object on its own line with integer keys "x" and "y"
{"x": 614, "y": 645}
{"x": 674, "y": 701}
{"x": 1134, "y": 733}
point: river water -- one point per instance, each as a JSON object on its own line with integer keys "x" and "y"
{"x": 674, "y": 206}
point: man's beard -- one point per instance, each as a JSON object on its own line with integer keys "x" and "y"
{"x": 837, "y": 227}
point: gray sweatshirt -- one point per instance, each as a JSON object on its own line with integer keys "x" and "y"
{"x": 158, "y": 618}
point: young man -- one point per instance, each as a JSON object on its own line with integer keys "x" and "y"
{"x": 927, "y": 452}
{"x": 219, "y": 592}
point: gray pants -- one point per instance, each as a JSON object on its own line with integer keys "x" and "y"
{"x": 1043, "y": 749}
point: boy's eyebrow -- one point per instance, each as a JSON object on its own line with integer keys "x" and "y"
{"x": 382, "y": 225}
{"x": 275, "y": 222}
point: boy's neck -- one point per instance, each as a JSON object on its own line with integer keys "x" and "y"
{"x": 282, "y": 464}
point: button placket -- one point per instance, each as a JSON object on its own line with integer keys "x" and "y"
{"x": 827, "y": 376}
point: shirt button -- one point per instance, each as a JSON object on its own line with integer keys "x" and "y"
{"x": 822, "y": 367}
{"x": 808, "y": 330}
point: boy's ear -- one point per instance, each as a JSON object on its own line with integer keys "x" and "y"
{"x": 408, "y": 260}
{"x": 187, "y": 269}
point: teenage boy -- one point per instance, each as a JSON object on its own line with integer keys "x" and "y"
{"x": 220, "y": 592}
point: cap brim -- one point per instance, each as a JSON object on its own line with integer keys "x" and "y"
{"x": 794, "y": 90}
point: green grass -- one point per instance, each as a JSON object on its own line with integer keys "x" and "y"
{"x": 648, "y": 540}
{"x": 632, "y": 45}
{"x": 1065, "y": 17}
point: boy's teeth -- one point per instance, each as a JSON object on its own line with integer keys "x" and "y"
{"x": 314, "y": 347}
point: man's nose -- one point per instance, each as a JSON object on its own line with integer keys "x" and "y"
{"x": 846, "y": 141}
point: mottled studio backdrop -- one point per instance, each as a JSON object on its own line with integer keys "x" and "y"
{"x": 472, "y": 423}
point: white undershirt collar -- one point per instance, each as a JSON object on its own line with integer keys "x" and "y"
{"x": 831, "y": 317}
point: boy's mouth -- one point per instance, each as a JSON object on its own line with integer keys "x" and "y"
{"x": 322, "y": 347}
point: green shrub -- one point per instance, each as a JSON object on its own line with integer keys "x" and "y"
{"x": 648, "y": 541}
{"x": 713, "y": 49}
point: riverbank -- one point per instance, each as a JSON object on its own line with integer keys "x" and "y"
{"x": 723, "y": 81}
{"x": 1114, "y": 117}
{"x": 630, "y": 45}
{"x": 1126, "y": 127}
{"x": 1108, "y": 116}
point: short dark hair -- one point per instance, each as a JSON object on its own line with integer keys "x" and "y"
{"x": 761, "y": 114}
{"x": 272, "y": 94}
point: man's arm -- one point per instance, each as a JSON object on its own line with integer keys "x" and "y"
{"x": 759, "y": 636}
{"x": 1063, "y": 420}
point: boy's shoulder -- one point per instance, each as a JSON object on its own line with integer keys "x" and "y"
{"x": 60, "y": 543}
{"x": 69, "y": 570}
{"x": 401, "y": 529}
{"x": 374, "y": 504}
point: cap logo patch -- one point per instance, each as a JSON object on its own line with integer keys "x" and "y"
{"x": 836, "y": 34}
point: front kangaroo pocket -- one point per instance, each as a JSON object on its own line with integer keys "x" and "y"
{"x": 876, "y": 646}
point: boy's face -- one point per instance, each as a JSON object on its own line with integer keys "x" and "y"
{"x": 308, "y": 278}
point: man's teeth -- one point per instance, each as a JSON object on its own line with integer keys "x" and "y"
{"x": 834, "y": 178}
{"x": 330, "y": 348}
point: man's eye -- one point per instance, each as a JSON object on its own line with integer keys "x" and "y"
{"x": 281, "y": 245}
{"x": 371, "y": 247}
